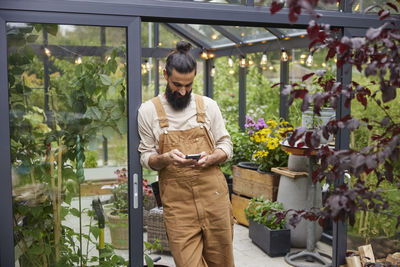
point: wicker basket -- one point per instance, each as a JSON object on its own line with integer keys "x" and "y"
{"x": 156, "y": 228}
{"x": 147, "y": 206}
{"x": 119, "y": 230}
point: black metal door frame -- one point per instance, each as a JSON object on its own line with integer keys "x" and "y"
{"x": 134, "y": 99}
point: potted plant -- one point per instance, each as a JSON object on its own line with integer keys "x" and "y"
{"x": 266, "y": 229}
{"x": 267, "y": 136}
{"x": 118, "y": 214}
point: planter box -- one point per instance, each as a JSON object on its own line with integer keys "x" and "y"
{"x": 251, "y": 183}
{"x": 239, "y": 203}
{"x": 273, "y": 242}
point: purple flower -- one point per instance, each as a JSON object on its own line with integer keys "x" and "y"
{"x": 260, "y": 124}
{"x": 249, "y": 122}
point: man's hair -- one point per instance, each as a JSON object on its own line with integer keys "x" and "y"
{"x": 181, "y": 59}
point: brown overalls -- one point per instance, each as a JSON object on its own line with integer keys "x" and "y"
{"x": 197, "y": 210}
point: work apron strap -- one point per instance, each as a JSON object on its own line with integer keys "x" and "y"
{"x": 162, "y": 116}
{"x": 201, "y": 115}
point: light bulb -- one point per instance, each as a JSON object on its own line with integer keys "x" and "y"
{"x": 251, "y": 62}
{"x": 323, "y": 64}
{"x": 214, "y": 36}
{"x": 309, "y": 60}
{"x": 204, "y": 55}
{"x": 242, "y": 62}
{"x": 47, "y": 51}
{"x": 212, "y": 72}
{"x": 284, "y": 55}
{"x": 78, "y": 60}
{"x": 231, "y": 71}
{"x": 230, "y": 62}
{"x": 148, "y": 66}
{"x": 264, "y": 59}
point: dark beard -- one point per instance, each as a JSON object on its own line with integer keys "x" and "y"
{"x": 178, "y": 103}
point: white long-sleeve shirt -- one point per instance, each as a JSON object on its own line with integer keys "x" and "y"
{"x": 149, "y": 127}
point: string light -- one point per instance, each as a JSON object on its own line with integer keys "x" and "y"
{"x": 242, "y": 62}
{"x": 47, "y": 52}
{"x": 309, "y": 60}
{"x": 357, "y": 7}
{"x": 335, "y": 59}
{"x": 204, "y": 55}
{"x": 212, "y": 72}
{"x": 230, "y": 62}
{"x": 271, "y": 67}
{"x": 251, "y": 62}
{"x": 303, "y": 56}
{"x": 284, "y": 55}
{"x": 210, "y": 55}
{"x": 78, "y": 60}
{"x": 264, "y": 59}
{"x": 148, "y": 66}
{"x": 159, "y": 43}
{"x": 214, "y": 36}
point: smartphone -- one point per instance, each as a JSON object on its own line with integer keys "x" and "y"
{"x": 193, "y": 156}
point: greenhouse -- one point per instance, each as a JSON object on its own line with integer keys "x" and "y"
{"x": 308, "y": 92}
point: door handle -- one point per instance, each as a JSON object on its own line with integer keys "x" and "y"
{"x": 135, "y": 191}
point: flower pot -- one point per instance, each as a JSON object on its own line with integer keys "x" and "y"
{"x": 273, "y": 242}
{"x": 248, "y": 165}
{"x": 119, "y": 230}
{"x": 310, "y": 120}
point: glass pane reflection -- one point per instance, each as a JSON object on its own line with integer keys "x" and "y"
{"x": 68, "y": 124}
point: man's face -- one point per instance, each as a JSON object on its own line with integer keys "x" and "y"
{"x": 179, "y": 88}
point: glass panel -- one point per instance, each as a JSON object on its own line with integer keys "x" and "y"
{"x": 292, "y": 32}
{"x": 68, "y": 128}
{"x": 249, "y": 34}
{"x": 361, "y": 5}
{"x": 207, "y": 34}
{"x": 168, "y": 38}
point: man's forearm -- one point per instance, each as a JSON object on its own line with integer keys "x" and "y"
{"x": 159, "y": 161}
{"x": 218, "y": 156}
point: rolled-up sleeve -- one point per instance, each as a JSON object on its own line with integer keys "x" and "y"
{"x": 221, "y": 136}
{"x": 147, "y": 146}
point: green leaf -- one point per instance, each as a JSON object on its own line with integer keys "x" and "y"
{"x": 122, "y": 125}
{"x": 75, "y": 212}
{"x": 108, "y": 132}
{"x": 111, "y": 91}
{"x": 92, "y": 113}
{"x": 116, "y": 113}
{"x": 105, "y": 79}
{"x": 149, "y": 261}
{"x": 32, "y": 38}
{"x": 36, "y": 250}
{"x": 51, "y": 28}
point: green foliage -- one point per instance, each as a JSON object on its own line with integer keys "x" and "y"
{"x": 262, "y": 211}
{"x": 91, "y": 158}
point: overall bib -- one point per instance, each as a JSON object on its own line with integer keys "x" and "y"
{"x": 197, "y": 211}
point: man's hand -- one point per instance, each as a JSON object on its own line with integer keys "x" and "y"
{"x": 215, "y": 158}
{"x": 174, "y": 157}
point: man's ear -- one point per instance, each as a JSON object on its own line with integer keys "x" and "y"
{"x": 165, "y": 74}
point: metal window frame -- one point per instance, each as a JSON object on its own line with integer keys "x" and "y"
{"x": 134, "y": 96}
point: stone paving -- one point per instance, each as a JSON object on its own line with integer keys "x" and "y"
{"x": 246, "y": 253}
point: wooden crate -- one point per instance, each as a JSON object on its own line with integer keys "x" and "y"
{"x": 93, "y": 188}
{"x": 239, "y": 203}
{"x": 251, "y": 183}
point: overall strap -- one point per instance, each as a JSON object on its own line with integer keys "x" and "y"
{"x": 162, "y": 116}
{"x": 201, "y": 114}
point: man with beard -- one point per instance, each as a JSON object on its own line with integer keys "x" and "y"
{"x": 194, "y": 193}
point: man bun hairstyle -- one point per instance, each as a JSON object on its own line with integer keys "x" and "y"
{"x": 181, "y": 59}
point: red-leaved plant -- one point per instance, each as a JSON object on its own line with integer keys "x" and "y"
{"x": 376, "y": 54}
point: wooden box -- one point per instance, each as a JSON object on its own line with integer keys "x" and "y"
{"x": 251, "y": 183}
{"x": 239, "y": 203}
